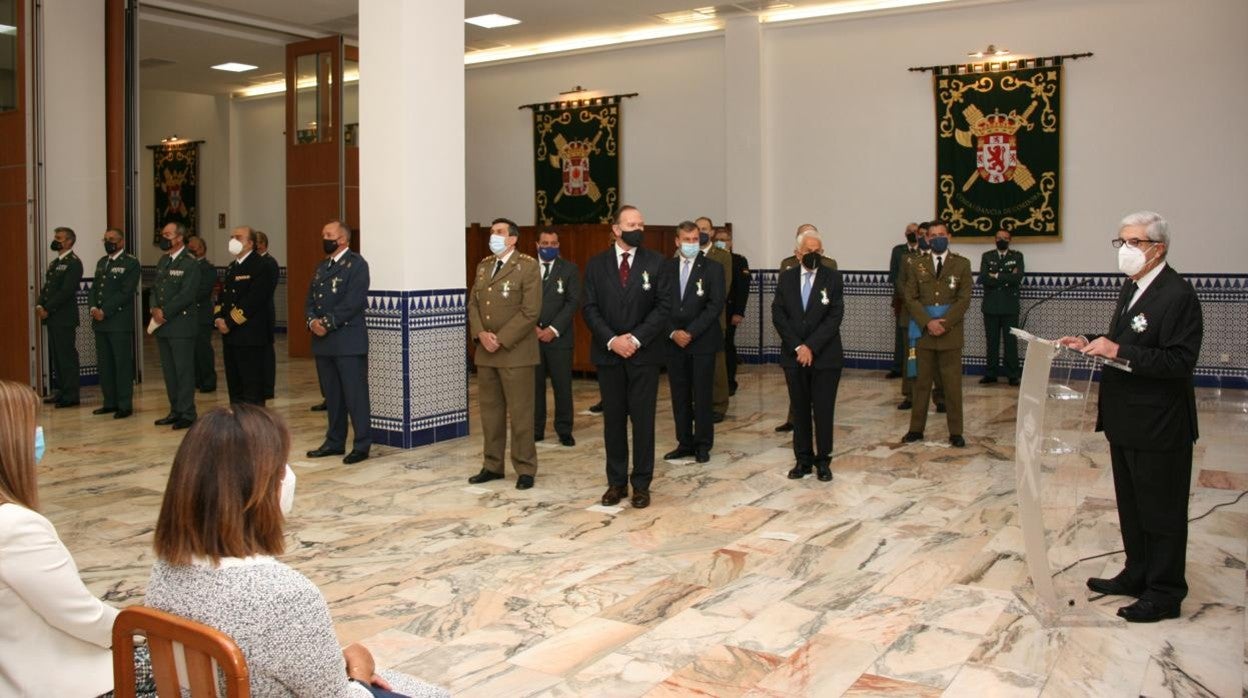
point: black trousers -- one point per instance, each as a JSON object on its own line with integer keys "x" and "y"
{"x": 1152, "y": 488}
{"x": 270, "y": 369}
{"x": 996, "y": 331}
{"x": 555, "y": 364}
{"x": 205, "y": 359}
{"x": 344, "y": 382}
{"x": 629, "y": 392}
{"x": 812, "y": 393}
{"x": 63, "y": 353}
{"x": 730, "y": 353}
{"x": 244, "y": 373}
{"x": 692, "y": 380}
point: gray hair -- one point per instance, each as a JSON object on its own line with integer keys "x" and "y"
{"x": 811, "y": 232}
{"x": 1155, "y": 227}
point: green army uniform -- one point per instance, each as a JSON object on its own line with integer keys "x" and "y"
{"x": 943, "y": 354}
{"x": 59, "y": 297}
{"x": 907, "y": 381}
{"x": 786, "y": 264}
{"x": 177, "y": 282}
{"x": 719, "y": 393}
{"x": 1001, "y": 275}
{"x": 205, "y": 358}
{"x": 112, "y": 292}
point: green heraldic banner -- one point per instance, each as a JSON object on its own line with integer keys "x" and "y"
{"x": 998, "y": 149}
{"x": 577, "y": 169}
{"x": 175, "y": 189}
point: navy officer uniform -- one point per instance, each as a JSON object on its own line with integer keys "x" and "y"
{"x": 245, "y": 307}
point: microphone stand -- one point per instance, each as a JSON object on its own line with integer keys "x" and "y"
{"x": 1022, "y": 323}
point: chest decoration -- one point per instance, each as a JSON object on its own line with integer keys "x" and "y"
{"x": 559, "y": 285}
{"x": 117, "y": 270}
{"x": 645, "y": 281}
{"x": 176, "y": 272}
{"x": 243, "y": 277}
{"x": 506, "y": 289}
{"x": 62, "y": 267}
{"x": 953, "y": 283}
{"x": 333, "y": 285}
{"x": 1139, "y": 323}
{"x": 823, "y": 296}
{"x": 700, "y": 291}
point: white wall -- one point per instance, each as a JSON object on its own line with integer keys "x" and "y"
{"x": 672, "y": 134}
{"x": 258, "y": 169}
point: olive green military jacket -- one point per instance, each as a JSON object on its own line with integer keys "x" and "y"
{"x": 177, "y": 282}
{"x": 791, "y": 261}
{"x": 112, "y": 291}
{"x": 59, "y": 295}
{"x": 724, "y": 257}
{"x": 508, "y": 304}
{"x": 1001, "y": 277}
{"x": 952, "y": 288}
{"x": 908, "y": 257}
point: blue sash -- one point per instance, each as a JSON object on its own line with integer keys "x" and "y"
{"x": 912, "y": 361}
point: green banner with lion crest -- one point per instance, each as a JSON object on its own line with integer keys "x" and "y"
{"x": 576, "y": 146}
{"x": 998, "y": 150}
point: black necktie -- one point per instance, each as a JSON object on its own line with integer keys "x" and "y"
{"x": 1128, "y": 291}
{"x": 497, "y": 265}
{"x": 546, "y": 272}
{"x": 940, "y": 265}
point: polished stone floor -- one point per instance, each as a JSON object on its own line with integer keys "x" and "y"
{"x": 895, "y": 579}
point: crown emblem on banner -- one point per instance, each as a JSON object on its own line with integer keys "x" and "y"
{"x": 577, "y": 149}
{"x": 997, "y": 123}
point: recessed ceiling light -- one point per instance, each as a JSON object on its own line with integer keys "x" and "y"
{"x": 234, "y": 67}
{"x": 492, "y": 21}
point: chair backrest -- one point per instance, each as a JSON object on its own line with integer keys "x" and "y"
{"x": 201, "y": 646}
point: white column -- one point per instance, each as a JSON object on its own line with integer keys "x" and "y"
{"x": 744, "y": 182}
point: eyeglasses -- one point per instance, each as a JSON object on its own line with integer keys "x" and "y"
{"x": 1131, "y": 242}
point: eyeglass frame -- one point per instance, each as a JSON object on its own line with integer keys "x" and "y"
{"x": 1132, "y": 242}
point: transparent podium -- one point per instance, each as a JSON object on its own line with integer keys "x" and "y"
{"x": 1054, "y": 439}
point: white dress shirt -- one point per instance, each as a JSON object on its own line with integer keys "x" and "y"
{"x": 1144, "y": 282}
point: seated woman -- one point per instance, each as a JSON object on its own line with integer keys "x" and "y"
{"x": 220, "y": 525}
{"x": 55, "y": 636}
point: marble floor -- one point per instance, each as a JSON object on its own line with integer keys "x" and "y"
{"x": 895, "y": 579}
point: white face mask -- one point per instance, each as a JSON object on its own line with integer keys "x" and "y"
{"x": 287, "y": 500}
{"x": 235, "y": 247}
{"x": 1130, "y": 260}
{"x": 498, "y": 243}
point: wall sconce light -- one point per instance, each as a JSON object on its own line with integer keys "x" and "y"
{"x": 992, "y": 52}
{"x": 171, "y": 139}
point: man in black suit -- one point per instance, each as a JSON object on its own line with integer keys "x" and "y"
{"x": 807, "y": 312}
{"x": 270, "y": 354}
{"x": 627, "y": 298}
{"x": 205, "y": 357}
{"x": 334, "y": 314}
{"x": 693, "y": 339}
{"x": 736, "y": 302}
{"x": 1149, "y": 417}
{"x": 242, "y": 318}
{"x": 561, "y": 294}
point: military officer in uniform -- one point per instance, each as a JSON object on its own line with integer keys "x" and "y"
{"x": 907, "y": 370}
{"x": 938, "y": 293}
{"x": 896, "y": 261}
{"x": 205, "y": 357}
{"x": 561, "y": 295}
{"x": 334, "y": 314}
{"x": 1001, "y": 274}
{"x": 503, "y": 307}
{"x": 270, "y": 353}
{"x": 706, "y": 235}
{"x": 58, "y": 309}
{"x": 112, "y": 317}
{"x": 242, "y": 318}
{"x": 794, "y": 261}
{"x": 174, "y": 319}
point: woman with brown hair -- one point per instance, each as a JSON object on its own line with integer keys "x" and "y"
{"x": 55, "y": 635}
{"x": 220, "y": 525}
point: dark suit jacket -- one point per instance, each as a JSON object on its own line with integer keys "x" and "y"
{"x": 248, "y": 288}
{"x": 173, "y": 291}
{"x": 1001, "y": 294}
{"x": 1153, "y": 408}
{"x": 59, "y": 295}
{"x": 818, "y": 326}
{"x": 204, "y": 311}
{"x": 696, "y": 314}
{"x": 611, "y": 310}
{"x": 338, "y": 296}
{"x": 740, "y": 295}
{"x": 561, "y": 294}
{"x": 112, "y": 290}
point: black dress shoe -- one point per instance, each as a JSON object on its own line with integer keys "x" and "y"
{"x": 641, "y": 499}
{"x": 322, "y": 452}
{"x": 567, "y": 440}
{"x": 614, "y": 494}
{"x": 524, "y": 482}
{"x": 732, "y": 390}
{"x": 799, "y": 471}
{"x": 702, "y": 456}
{"x": 715, "y": 418}
{"x": 893, "y": 374}
{"x": 1015, "y": 381}
{"x": 122, "y": 414}
{"x": 1113, "y": 587}
{"x": 784, "y": 428}
{"x": 678, "y": 453}
{"x": 51, "y": 399}
{"x": 208, "y": 389}
{"x": 104, "y": 410}
{"x": 905, "y": 405}
{"x": 165, "y": 421}
{"x": 183, "y": 424}
{"x": 268, "y": 396}
{"x": 539, "y": 437}
{"x": 355, "y": 457}
{"x": 67, "y": 403}
{"x": 940, "y": 407}
{"x": 957, "y": 441}
{"x": 987, "y": 379}
{"x": 596, "y": 409}
{"x": 824, "y": 472}
{"x": 1146, "y": 611}
{"x": 911, "y": 437}
{"x": 484, "y": 476}
{"x": 320, "y": 408}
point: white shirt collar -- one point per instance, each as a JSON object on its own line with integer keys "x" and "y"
{"x": 620, "y": 251}
{"x": 505, "y": 257}
{"x": 245, "y": 256}
{"x": 61, "y": 255}
{"x": 940, "y": 256}
{"x": 1147, "y": 279}
{"x": 174, "y": 255}
{"x": 338, "y": 257}
{"x": 116, "y": 254}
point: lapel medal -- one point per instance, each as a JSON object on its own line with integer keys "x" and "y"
{"x": 333, "y": 285}
{"x": 559, "y": 287}
{"x": 700, "y": 291}
{"x": 506, "y": 289}
{"x": 823, "y": 296}
{"x": 953, "y": 283}
{"x": 645, "y": 281}
{"x": 1139, "y": 323}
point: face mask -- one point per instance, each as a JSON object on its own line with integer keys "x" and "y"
{"x": 498, "y": 243}
{"x": 111, "y": 247}
{"x": 329, "y": 246}
{"x": 166, "y": 244}
{"x": 56, "y": 245}
{"x": 1003, "y": 245}
{"x": 633, "y": 238}
{"x": 923, "y": 244}
{"x": 287, "y": 498}
{"x": 689, "y": 250}
{"x": 811, "y": 260}
{"x": 704, "y": 238}
{"x": 548, "y": 254}
{"x": 939, "y": 245}
{"x": 721, "y": 244}
{"x": 40, "y": 447}
{"x": 1131, "y": 260}
{"x": 911, "y": 237}
{"x": 235, "y": 247}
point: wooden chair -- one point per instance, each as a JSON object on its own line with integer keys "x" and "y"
{"x": 201, "y": 646}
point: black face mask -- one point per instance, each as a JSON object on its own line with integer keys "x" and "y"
{"x": 1003, "y": 245}
{"x": 111, "y": 247}
{"x": 704, "y": 238}
{"x": 911, "y": 237}
{"x": 56, "y": 245}
{"x": 633, "y": 238}
{"x": 811, "y": 260}
{"x": 166, "y": 244}
{"x": 329, "y": 246}
{"x": 923, "y": 245}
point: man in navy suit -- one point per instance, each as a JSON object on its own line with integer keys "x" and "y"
{"x": 561, "y": 296}
{"x": 807, "y": 312}
{"x": 1149, "y": 417}
{"x": 627, "y": 297}
{"x": 334, "y": 314}
{"x": 693, "y": 339}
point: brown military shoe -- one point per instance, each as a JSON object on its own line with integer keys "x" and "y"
{"x": 614, "y": 494}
